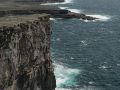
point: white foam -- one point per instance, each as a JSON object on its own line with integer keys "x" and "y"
{"x": 58, "y": 39}
{"x": 66, "y": 2}
{"x": 101, "y": 17}
{"x": 118, "y": 64}
{"x": 103, "y": 67}
{"x": 84, "y": 42}
{"x": 91, "y": 82}
{"x": 71, "y": 58}
{"x": 65, "y": 75}
{"x": 52, "y": 19}
{"x": 85, "y": 20}
{"x": 63, "y": 7}
{"x": 72, "y": 10}
{"x": 75, "y": 10}
{"x": 62, "y": 89}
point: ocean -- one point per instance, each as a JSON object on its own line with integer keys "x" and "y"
{"x": 86, "y": 54}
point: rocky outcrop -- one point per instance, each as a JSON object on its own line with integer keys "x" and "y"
{"x": 25, "y": 62}
{"x": 35, "y": 8}
{"x": 54, "y": 13}
{"x": 70, "y": 15}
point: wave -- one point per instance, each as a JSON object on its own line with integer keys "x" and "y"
{"x": 84, "y": 43}
{"x": 63, "y": 7}
{"x": 52, "y": 19}
{"x": 62, "y": 89}
{"x": 65, "y": 76}
{"x": 75, "y": 10}
{"x": 100, "y": 17}
{"x": 72, "y": 10}
{"x": 66, "y": 2}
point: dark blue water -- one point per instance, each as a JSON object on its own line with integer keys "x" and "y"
{"x": 87, "y": 53}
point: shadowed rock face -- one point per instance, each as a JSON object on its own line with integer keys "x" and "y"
{"x": 25, "y": 62}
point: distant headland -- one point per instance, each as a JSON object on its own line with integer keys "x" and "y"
{"x": 25, "y": 7}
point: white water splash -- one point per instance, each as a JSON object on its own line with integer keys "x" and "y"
{"x": 62, "y": 89}
{"x": 84, "y": 43}
{"x": 58, "y": 3}
{"x": 75, "y": 10}
{"x": 58, "y": 39}
{"x": 63, "y": 7}
{"x": 72, "y": 10}
{"x": 52, "y": 19}
{"x": 65, "y": 76}
{"x": 103, "y": 67}
{"x": 68, "y": 1}
{"x": 85, "y": 20}
{"x": 101, "y": 17}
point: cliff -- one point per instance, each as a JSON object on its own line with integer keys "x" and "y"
{"x": 25, "y": 62}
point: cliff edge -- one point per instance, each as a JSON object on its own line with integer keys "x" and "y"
{"x": 25, "y": 62}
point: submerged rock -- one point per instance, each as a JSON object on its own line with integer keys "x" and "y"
{"x": 25, "y": 62}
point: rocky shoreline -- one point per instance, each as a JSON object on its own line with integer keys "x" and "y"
{"x": 28, "y": 7}
{"x": 54, "y": 13}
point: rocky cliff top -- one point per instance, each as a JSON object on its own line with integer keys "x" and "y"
{"x": 14, "y": 20}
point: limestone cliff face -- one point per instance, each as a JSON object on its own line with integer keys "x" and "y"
{"x": 25, "y": 62}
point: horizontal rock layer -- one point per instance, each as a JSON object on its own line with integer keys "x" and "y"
{"x": 25, "y": 62}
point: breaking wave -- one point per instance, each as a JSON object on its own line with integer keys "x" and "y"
{"x": 52, "y": 19}
{"x": 63, "y": 7}
{"x": 72, "y": 10}
{"x": 75, "y": 10}
{"x": 100, "y": 17}
{"x": 65, "y": 76}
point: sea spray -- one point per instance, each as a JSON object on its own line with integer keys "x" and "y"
{"x": 63, "y": 7}
{"x": 75, "y": 10}
{"x": 100, "y": 17}
{"x": 65, "y": 76}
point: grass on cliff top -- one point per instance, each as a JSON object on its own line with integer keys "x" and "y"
{"x": 14, "y": 20}
{"x": 24, "y": 6}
